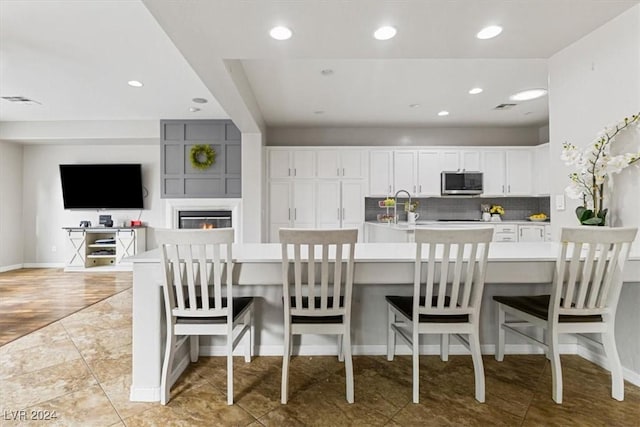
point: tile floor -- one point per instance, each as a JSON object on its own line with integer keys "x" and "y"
{"x": 79, "y": 368}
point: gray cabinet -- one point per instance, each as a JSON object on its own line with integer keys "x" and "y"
{"x": 180, "y": 179}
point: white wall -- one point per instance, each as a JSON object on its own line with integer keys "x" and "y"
{"x": 44, "y": 214}
{"x": 594, "y": 83}
{"x": 11, "y": 237}
{"x": 253, "y": 201}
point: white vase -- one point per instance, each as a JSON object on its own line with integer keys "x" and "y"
{"x": 486, "y": 216}
{"x": 496, "y": 218}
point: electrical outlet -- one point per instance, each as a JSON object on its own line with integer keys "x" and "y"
{"x": 560, "y": 202}
{"x": 54, "y": 249}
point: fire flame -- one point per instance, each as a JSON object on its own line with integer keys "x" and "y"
{"x": 206, "y": 226}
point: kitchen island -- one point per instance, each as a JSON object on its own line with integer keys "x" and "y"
{"x": 380, "y": 269}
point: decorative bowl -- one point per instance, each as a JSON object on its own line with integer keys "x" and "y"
{"x": 538, "y": 219}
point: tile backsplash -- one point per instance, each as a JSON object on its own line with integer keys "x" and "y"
{"x": 434, "y": 208}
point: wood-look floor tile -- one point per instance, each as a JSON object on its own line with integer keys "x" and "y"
{"x": 33, "y": 298}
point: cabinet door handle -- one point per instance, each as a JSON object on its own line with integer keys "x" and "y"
{"x": 420, "y": 187}
{"x": 521, "y": 232}
{"x": 295, "y": 171}
{"x": 289, "y": 214}
{"x": 343, "y": 172}
{"x": 503, "y": 188}
{"x": 338, "y": 171}
{"x": 414, "y": 189}
{"x": 295, "y": 214}
{"x": 509, "y": 188}
{"x": 289, "y": 172}
{"x": 343, "y": 214}
{"x": 389, "y": 188}
{"x": 540, "y": 233}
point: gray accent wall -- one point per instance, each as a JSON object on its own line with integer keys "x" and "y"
{"x": 179, "y": 179}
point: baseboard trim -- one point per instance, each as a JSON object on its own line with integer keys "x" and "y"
{"x": 10, "y": 267}
{"x": 596, "y": 356}
{"x": 43, "y": 265}
{"x": 144, "y": 394}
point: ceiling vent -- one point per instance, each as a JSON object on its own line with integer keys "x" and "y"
{"x": 504, "y": 106}
{"x": 21, "y": 100}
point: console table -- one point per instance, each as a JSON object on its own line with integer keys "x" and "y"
{"x": 103, "y": 248}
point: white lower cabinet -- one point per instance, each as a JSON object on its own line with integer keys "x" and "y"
{"x": 317, "y": 203}
{"x": 531, "y": 233}
{"x": 505, "y": 233}
{"x": 291, "y": 204}
{"x": 102, "y": 248}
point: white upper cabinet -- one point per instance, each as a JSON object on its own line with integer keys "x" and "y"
{"x": 405, "y": 171}
{"x": 470, "y": 160}
{"x": 540, "y": 175}
{"x": 449, "y": 160}
{"x": 507, "y": 172}
{"x": 380, "y": 172}
{"x": 429, "y": 168}
{"x": 493, "y": 173}
{"x": 519, "y": 174}
{"x": 341, "y": 163}
{"x": 291, "y": 164}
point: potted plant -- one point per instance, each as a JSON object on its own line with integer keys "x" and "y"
{"x": 594, "y": 165}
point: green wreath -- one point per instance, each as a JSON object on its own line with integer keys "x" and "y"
{"x": 202, "y": 156}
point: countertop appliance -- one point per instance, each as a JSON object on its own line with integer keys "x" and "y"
{"x": 460, "y": 183}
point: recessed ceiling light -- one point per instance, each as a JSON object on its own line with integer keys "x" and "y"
{"x": 443, "y": 113}
{"x": 318, "y": 112}
{"x": 489, "y": 32}
{"x": 135, "y": 83}
{"x": 528, "y": 94}
{"x": 475, "y": 90}
{"x": 414, "y": 105}
{"x": 280, "y": 33}
{"x": 385, "y": 33}
{"x": 326, "y": 72}
{"x": 194, "y": 109}
{"x": 199, "y": 100}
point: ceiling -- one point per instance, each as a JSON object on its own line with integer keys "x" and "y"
{"x": 75, "y": 57}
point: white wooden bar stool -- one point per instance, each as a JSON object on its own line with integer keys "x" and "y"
{"x": 584, "y": 297}
{"x": 446, "y": 296}
{"x": 200, "y": 262}
{"x": 318, "y": 301}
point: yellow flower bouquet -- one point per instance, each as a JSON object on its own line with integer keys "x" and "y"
{"x": 496, "y": 209}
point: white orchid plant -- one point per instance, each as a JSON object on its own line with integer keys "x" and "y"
{"x": 594, "y": 164}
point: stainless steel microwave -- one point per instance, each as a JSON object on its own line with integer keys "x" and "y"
{"x": 460, "y": 183}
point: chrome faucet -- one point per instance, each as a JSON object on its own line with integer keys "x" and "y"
{"x": 395, "y": 205}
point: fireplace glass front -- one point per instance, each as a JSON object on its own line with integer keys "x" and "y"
{"x": 204, "y": 219}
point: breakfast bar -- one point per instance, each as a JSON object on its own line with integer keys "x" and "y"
{"x": 379, "y": 269}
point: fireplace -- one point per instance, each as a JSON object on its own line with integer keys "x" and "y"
{"x": 204, "y": 219}
{"x": 203, "y": 208}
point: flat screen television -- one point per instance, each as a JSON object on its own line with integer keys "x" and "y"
{"x": 102, "y": 186}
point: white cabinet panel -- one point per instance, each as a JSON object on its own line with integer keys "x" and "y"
{"x": 519, "y": 163}
{"x": 328, "y": 164}
{"x": 341, "y": 163}
{"x": 291, "y": 164}
{"x": 531, "y": 233}
{"x": 429, "y": 168}
{"x": 539, "y": 175}
{"x": 279, "y": 164}
{"x": 404, "y": 171}
{"x": 352, "y": 204}
{"x": 493, "y": 172}
{"x": 304, "y": 206}
{"x": 329, "y": 210}
{"x": 279, "y": 208}
{"x": 380, "y": 177}
{"x": 303, "y": 164}
{"x": 470, "y": 160}
{"x": 450, "y": 160}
